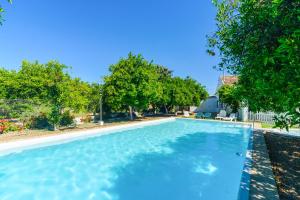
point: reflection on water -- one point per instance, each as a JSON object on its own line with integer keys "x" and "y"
{"x": 207, "y": 168}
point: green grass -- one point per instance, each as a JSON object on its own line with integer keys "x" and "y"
{"x": 265, "y": 125}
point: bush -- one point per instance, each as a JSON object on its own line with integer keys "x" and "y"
{"x": 13, "y": 127}
{"x": 39, "y": 122}
{"x": 3, "y": 125}
{"x": 66, "y": 119}
{"x": 86, "y": 119}
{"x": 7, "y": 126}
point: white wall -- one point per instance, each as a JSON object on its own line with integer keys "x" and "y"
{"x": 209, "y": 105}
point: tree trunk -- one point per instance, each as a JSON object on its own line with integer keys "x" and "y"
{"x": 53, "y": 127}
{"x": 130, "y": 113}
{"x": 166, "y": 109}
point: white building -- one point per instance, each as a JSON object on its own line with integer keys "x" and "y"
{"x": 213, "y": 105}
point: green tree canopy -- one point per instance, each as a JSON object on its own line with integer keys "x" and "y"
{"x": 259, "y": 41}
{"x": 165, "y": 81}
{"x": 136, "y": 83}
{"x": 228, "y": 95}
{"x": 47, "y": 84}
{"x": 187, "y": 92}
{"x": 132, "y": 84}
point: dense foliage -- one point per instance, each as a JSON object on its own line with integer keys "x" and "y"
{"x": 132, "y": 84}
{"x": 228, "y": 95}
{"x": 36, "y": 87}
{"x": 136, "y": 84}
{"x": 43, "y": 95}
{"x": 259, "y": 41}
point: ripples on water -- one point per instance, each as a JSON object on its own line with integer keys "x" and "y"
{"x": 183, "y": 159}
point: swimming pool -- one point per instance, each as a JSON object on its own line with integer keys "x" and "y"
{"x": 176, "y": 160}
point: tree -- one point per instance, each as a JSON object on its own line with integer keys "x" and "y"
{"x": 94, "y": 98}
{"x": 1, "y": 12}
{"x": 47, "y": 84}
{"x": 187, "y": 92}
{"x": 228, "y": 95}
{"x": 132, "y": 84}
{"x": 165, "y": 81}
{"x": 7, "y": 79}
{"x": 77, "y": 95}
{"x": 259, "y": 41}
{"x": 196, "y": 90}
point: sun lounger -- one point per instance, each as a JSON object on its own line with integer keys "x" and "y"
{"x": 221, "y": 115}
{"x": 136, "y": 114}
{"x": 230, "y": 118}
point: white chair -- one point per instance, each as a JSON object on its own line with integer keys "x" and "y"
{"x": 221, "y": 115}
{"x": 186, "y": 114}
{"x": 230, "y": 118}
{"x": 138, "y": 115}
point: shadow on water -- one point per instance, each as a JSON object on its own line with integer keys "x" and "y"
{"x": 184, "y": 173}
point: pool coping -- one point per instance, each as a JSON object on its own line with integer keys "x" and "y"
{"x": 262, "y": 180}
{"x": 30, "y": 143}
{"x": 291, "y": 133}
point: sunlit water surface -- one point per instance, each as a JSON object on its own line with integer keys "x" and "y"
{"x": 177, "y": 160}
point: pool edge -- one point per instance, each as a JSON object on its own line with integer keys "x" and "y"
{"x": 31, "y": 143}
{"x": 262, "y": 180}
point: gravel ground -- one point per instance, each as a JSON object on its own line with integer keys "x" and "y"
{"x": 284, "y": 152}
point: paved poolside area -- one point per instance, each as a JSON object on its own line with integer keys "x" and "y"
{"x": 262, "y": 184}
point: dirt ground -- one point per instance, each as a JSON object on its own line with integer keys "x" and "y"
{"x": 25, "y": 134}
{"x": 284, "y": 152}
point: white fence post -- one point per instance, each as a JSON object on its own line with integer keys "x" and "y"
{"x": 267, "y": 117}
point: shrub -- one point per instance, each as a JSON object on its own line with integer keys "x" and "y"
{"x": 66, "y": 119}
{"x": 86, "y": 119}
{"x": 7, "y": 126}
{"x": 39, "y": 122}
{"x": 3, "y": 125}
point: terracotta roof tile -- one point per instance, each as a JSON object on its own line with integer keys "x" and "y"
{"x": 229, "y": 80}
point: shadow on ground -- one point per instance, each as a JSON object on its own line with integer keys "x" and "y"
{"x": 263, "y": 185}
{"x": 284, "y": 153}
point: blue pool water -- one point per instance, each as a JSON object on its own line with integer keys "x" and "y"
{"x": 177, "y": 160}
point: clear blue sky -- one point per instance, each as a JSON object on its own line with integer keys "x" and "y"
{"x": 91, "y": 35}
